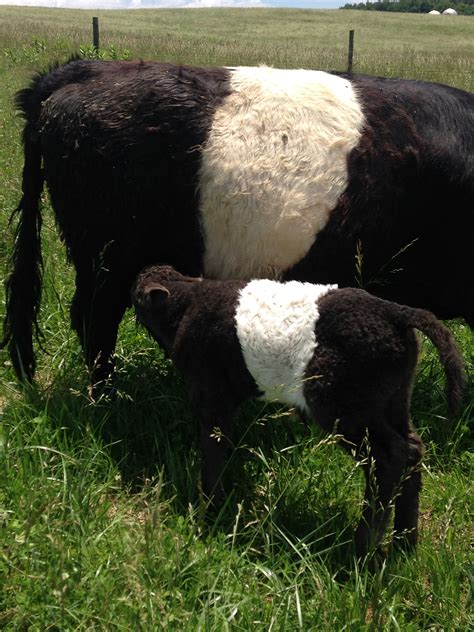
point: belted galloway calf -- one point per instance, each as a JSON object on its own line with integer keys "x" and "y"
{"x": 240, "y": 173}
{"x": 343, "y": 357}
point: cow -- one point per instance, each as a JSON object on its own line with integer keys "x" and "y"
{"x": 243, "y": 173}
{"x": 342, "y": 357}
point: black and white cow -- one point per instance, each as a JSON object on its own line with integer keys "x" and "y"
{"x": 241, "y": 173}
{"x": 342, "y": 357}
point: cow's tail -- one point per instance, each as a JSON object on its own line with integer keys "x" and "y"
{"x": 23, "y": 286}
{"x": 444, "y": 342}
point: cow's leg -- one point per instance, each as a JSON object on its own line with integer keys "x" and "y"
{"x": 98, "y": 306}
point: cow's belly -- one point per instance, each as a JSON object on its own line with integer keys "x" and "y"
{"x": 273, "y": 168}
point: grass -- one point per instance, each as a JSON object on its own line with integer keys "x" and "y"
{"x": 100, "y": 520}
{"x": 391, "y": 44}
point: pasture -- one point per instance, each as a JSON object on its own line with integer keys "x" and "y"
{"x": 101, "y": 526}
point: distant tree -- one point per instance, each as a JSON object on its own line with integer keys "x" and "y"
{"x": 464, "y": 7}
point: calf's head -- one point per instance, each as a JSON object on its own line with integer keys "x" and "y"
{"x": 151, "y": 294}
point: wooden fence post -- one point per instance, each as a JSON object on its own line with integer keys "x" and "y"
{"x": 95, "y": 33}
{"x": 350, "y": 54}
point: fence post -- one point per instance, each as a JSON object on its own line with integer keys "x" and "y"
{"x": 350, "y": 54}
{"x": 95, "y": 33}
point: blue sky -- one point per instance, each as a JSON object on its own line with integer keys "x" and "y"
{"x": 136, "y": 4}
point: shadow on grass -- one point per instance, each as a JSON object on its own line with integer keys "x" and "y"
{"x": 147, "y": 427}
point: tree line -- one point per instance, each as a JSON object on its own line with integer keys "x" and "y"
{"x": 466, "y": 7}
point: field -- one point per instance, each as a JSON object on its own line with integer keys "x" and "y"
{"x": 100, "y": 520}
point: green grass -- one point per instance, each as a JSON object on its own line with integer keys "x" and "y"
{"x": 100, "y": 521}
{"x": 390, "y": 44}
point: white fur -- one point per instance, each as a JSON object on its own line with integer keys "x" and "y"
{"x": 275, "y": 326}
{"x": 273, "y": 168}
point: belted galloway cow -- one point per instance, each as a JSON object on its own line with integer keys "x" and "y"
{"x": 343, "y": 358}
{"x": 241, "y": 173}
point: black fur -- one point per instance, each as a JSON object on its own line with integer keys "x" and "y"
{"x": 409, "y": 204}
{"x": 120, "y": 145}
{"x": 358, "y": 381}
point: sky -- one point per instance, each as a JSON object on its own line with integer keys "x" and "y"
{"x": 171, "y": 4}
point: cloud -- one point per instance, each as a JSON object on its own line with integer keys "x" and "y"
{"x": 137, "y": 4}
{"x": 193, "y": 4}
{"x": 73, "y": 4}
{"x": 174, "y": 4}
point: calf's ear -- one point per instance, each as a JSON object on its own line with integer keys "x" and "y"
{"x": 154, "y": 295}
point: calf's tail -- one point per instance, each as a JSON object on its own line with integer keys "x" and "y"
{"x": 23, "y": 285}
{"x": 446, "y": 345}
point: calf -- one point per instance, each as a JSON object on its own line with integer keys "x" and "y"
{"x": 240, "y": 173}
{"x": 341, "y": 356}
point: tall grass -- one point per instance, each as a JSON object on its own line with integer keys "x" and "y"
{"x": 100, "y": 516}
{"x": 406, "y": 45}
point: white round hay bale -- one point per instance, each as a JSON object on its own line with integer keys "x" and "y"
{"x": 434, "y": 12}
{"x": 450, "y": 12}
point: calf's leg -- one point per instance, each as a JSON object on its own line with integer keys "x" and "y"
{"x": 408, "y": 500}
{"x": 383, "y": 453}
{"x": 385, "y": 462}
{"x": 215, "y": 414}
{"x": 215, "y": 447}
